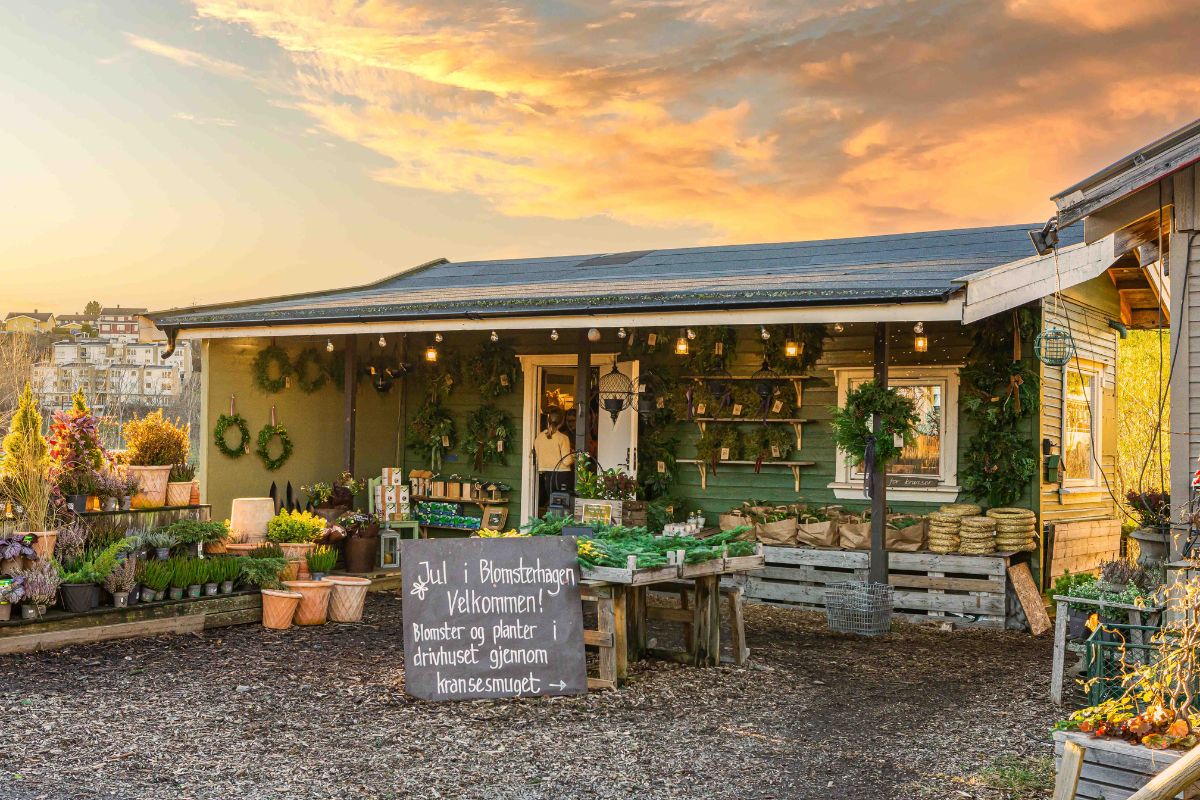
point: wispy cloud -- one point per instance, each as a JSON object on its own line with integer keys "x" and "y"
{"x": 220, "y": 122}
{"x": 758, "y": 118}
{"x": 188, "y": 58}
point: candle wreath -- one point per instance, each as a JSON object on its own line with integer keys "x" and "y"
{"x": 224, "y": 423}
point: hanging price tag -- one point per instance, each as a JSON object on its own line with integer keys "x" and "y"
{"x": 777, "y": 406}
{"x": 719, "y": 349}
{"x": 445, "y": 441}
{"x": 774, "y": 451}
{"x": 724, "y": 453}
{"x": 504, "y": 380}
{"x": 737, "y": 409}
{"x": 660, "y": 402}
{"x": 700, "y": 408}
{"x": 651, "y": 339}
{"x": 499, "y": 445}
{"x": 662, "y": 467}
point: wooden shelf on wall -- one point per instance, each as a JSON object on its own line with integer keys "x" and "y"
{"x": 797, "y": 424}
{"x": 797, "y": 382}
{"x": 702, "y": 467}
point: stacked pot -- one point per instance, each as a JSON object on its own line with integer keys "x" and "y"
{"x": 978, "y": 536}
{"x": 1016, "y": 529}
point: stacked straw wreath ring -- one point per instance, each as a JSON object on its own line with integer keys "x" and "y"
{"x": 943, "y": 532}
{"x": 978, "y": 536}
{"x": 1016, "y": 528}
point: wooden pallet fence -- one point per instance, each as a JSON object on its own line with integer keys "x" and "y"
{"x": 1115, "y": 770}
{"x": 928, "y": 587}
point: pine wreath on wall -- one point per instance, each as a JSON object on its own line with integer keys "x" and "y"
{"x": 271, "y": 369}
{"x": 494, "y": 369}
{"x": 489, "y": 434}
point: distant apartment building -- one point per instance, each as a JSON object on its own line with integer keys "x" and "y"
{"x": 119, "y": 323}
{"x": 29, "y": 321}
{"x": 114, "y": 373}
{"x": 77, "y": 324}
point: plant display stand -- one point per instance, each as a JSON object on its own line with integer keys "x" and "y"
{"x": 609, "y": 637}
{"x": 1113, "y": 769}
{"x": 686, "y": 616}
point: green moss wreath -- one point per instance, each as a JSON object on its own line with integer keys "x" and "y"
{"x": 852, "y": 422}
{"x": 488, "y": 434}
{"x": 269, "y": 432}
{"x": 311, "y": 369}
{"x": 224, "y": 423}
{"x": 261, "y": 369}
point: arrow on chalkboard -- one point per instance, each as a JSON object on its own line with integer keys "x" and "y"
{"x": 560, "y": 685}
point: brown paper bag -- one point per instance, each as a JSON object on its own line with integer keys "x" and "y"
{"x": 905, "y": 540}
{"x": 730, "y": 521}
{"x": 782, "y": 533}
{"x": 817, "y": 534}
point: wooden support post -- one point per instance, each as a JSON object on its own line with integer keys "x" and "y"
{"x": 879, "y": 557}
{"x": 1069, "y": 768}
{"x": 583, "y": 368}
{"x": 707, "y": 628}
{"x": 1059, "y": 658}
{"x": 1172, "y": 780}
{"x": 635, "y": 608}
{"x": 350, "y": 404}
{"x": 620, "y": 633}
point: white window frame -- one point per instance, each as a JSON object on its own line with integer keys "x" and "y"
{"x": 1096, "y": 371}
{"x": 847, "y": 487}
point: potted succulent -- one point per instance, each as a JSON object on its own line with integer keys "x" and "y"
{"x": 179, "y": 484}
{"x": 120, "y": 582}
{"x": 15, "y": 553}
{"x": 361, "y": 546}
{"x": 296, "y": 533}
{"x": 41, "y": 588}
{"x": 28, "y": 484}
{"x": 320, "y": 561}
{"x": 153, "y": 444}
{"x": 1153, "y": 512}
{"x": 12, "y": 591}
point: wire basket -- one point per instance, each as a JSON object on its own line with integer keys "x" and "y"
{"x": 859, "y": 607}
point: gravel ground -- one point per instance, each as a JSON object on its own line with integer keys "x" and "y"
{"x": 321, "y": 713}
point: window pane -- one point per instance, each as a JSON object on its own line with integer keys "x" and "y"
{"x": 923, "y": 457}
{"x": 1077, "y": 443}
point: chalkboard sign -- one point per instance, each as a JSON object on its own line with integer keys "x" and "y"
{"x": 492, "y": 618}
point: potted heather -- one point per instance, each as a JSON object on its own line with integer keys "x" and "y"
{"x": 153, "y": 445}
{"x": 361, "y": 545}
{"x": 12, "y": 591}
{"x": 120, "y": 582}
{"x": 127, "y": 490}
{"x": 41, "y": 588}
{"x": 179, "y": 484}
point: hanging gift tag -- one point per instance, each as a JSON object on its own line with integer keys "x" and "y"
{"x": 499, "y": 445}
{"x": 660, "y": 402}
{"x": 774, "y": 451}
{"x": 652, "y": 339}
{"x": 504, "y": 380}
{"x": 724, "y": 453}
{"x": 662, "y": 467}
{"x": 777, "y": 406}
{"x": 287, "y": 382}
{"x": 898, "y": 440}
{"x": 737, "y": 409}
{"x": 445, "y": 441}
{"x": 700, "y": 408}
{"x": 719, "y": 349}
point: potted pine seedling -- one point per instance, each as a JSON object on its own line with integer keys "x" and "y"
{"x": 120, "y": 582}
{"x": 321, "y": 561}
{"x": 155, "y": 577}
{"x": 194, "y": 570}
{"x": 228, "y": 569}
{"x": 210, "y": 573}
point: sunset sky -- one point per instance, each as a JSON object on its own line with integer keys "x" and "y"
{"x": 161, "y": 153}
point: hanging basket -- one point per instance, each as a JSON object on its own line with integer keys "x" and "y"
{"x": 1054, "y": 347}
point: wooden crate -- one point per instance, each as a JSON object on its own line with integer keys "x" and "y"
{"x": 928, "y": 587}
{"x": 1081, "y": 546}
{"x": 1113, "y": 770}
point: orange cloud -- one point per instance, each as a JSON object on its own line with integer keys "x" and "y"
{"x": 760, "y": 120}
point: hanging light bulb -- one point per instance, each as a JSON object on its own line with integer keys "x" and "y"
{"x": 431, "y": 354}
{"x": 554, "y": 335}
{"x": 763, "y": 332}
{"x": 838, "y": 327}
{"x": 329, "y": 345}
{"x": 621, "y": 333}
{"x": 920, "y": 341}
{"x": 382, "y": 341}
{"x": 495, "y": 337}
{"x": 593, "y": 334}
{"x": 681, "y": 344}
{"x": 437, "y": 337}
{"x": 691, "y": 334}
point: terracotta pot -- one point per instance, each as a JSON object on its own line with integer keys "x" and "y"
{"x": 362, "y": 554}
{"x": 43, "y": 542}
{"x": 152, "y": 485}
{"x": 179, "y": 493}
{"x": 291, "y": 572}
{"x": 5, "y": 612}
{"x": 194, "y": 500}
{"x": 79, "y": 597}
{"x": 298, "y": 551}
{"x": 278, "y": 608}
{"x": 347, "y": 598}
{"x": 248, "y": 518}
{"x": 314, "y": 603}
{"x": 216, "y": 548}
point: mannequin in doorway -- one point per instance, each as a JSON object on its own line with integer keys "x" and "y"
{"x": 554, "y": 456}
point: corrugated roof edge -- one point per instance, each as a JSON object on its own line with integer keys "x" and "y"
{"x": 154, "y": 316}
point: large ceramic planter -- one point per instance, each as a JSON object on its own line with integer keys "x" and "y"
{"x": 43, "y": 542}
{"x": 298, "y": 551}
{"x": 314, "y": 601}
{"x": 248, "y": 518}
{"x": 1154, "y": 545}
{"x": 179, "y": 493}
{"x": 347, "y": 598}
{"x": 279, "y": 608}
{"x": 362, "y": 553}
{"x": 152, "y": 485}
{"x": 79, "y": 597}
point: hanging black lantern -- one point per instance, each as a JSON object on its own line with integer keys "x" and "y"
{"x": 720, "y": 386}
{"x": 616, "y": 392}
{"x": 649, "y": 388}
{"x": 766, "y": 382}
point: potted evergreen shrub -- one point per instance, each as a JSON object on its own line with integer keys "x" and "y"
{"x": 27, "y": 474}
{"x": 153, "y": 444}
{"x": 296, "y": 533}
{"x": 179, "y": 578}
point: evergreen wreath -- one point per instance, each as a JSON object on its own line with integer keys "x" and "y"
{"x": 273, "y": 431}
{"x": 431, "y": 433}
{"x": 224, "y": 423}
{"x": 261, "y": 369}
{"x": 703, "y": 357}
{"x": 654, "y": 447}
{"x": 310, "y": 361}
{"x": 488, "y": 434}
{"x": 810, "y": 338}
{"x": 852, "y": 422}
{"x": 442, "y": 376}
{"x": 494, "y": 368}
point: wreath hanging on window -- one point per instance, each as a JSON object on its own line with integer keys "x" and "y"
{"x": 431, "y": 433}
{"x": 273, "y": 430}
{"x": 224, "y": 423}
{"x": 268, "y": 357}
{"x": 494, "y": 369}
{"x": 488, "y": 434}
{"x": 852, "y": 423}
{"x": 311, "y": 369}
